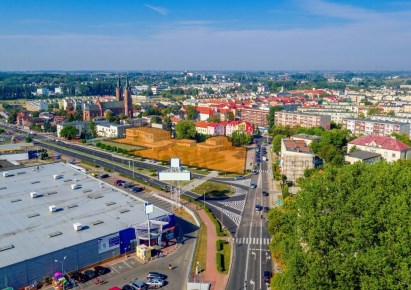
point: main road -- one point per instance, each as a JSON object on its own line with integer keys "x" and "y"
{"x": 251, "y": 244}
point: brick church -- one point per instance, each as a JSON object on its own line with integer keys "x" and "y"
{"x": 122, "y": 104}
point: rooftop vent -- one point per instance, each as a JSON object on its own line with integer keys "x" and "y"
{"x": 55, "y": 234}
{"x": 77, "y": 227}
{"x": 75, "y": 186}
{"x": 33, "y": 215}
{"x": 7, "y": 174}
{"x": 97, "y": 222}
{"x": 35, "y": 194}
{"x": 5, "y": 248}
{"x": 124, "y": 210}
{"x": 110, "y": 203}
{"x": 57, "y": 176}
{"x": 15, "y": 200}
{"x": 52, "y": 208}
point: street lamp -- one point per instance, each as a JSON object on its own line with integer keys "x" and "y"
{"x": 62, "y": 264}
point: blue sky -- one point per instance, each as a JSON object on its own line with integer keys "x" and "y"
{"x": 205, "y": 35}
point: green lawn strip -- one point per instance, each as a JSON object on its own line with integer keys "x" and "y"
{"x": 200, "y": 253}
{"x": 214, "y": 189}
{"x": 119, "y": 145}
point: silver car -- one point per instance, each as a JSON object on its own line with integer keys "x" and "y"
{"x": 155, "y": 283}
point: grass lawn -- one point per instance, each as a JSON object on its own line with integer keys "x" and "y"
{"x": 198, "y": 170}
{"x": 185, "y": 215}
{"x": 227, "y": 256}
{"x": 200, "y": 254}
{"x": 214, "y": 189}
{"x": 121, "y": 145}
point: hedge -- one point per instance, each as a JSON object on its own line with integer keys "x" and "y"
{"x": 220, "y": 245}
{"x": 220, "y": 262}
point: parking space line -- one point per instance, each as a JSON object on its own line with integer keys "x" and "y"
{"x": 127, "y": 264}
{"x": 115, "y": 269}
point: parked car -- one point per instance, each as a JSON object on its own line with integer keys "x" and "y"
{"x": 139, "y": 285}
{"x": 100, "y": 270}
{"x": 155, "y": 283}
{"x": 90, "y": 274}
{"x": 253, "y": 185}
{"x": 156, "y": 275}
{"x": 265, "y": 193}
{"x": 128, "y": 287}
{"x": 239, "y": 177}
{"x": 255, "y": 171}
{"x": 128, "y": 185}
{"x": 258, "y": 207}
{"x": 115, "y": 288}
{"x": 266, "y": 209}
{"x": 79, "y": 277}
{"x": 267, "y": 277}
{"x": 119, "y": 182}
{"x": 166, "y": 188}
{"x": 136, "y": 189}
{"x": 105, "y": 175}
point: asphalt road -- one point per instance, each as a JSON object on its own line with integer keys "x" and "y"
{"x": 252, "y": 255}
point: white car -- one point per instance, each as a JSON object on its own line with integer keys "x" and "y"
{"x": 155, "y": 283}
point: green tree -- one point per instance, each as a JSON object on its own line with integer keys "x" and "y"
{"x": 191, "y": 112}
{"x": 44, "y": 155}
{"x": 239, "y": 138}
{"x": 214, "y": 119}
{"x": 168, "y": 124}
{"x": 347, "y": 228}
{"x": 92, "y": 128}
{"x": 403, "y": 138}
{"x": 28, "y": 139}
{"x": 155, "y": 120}
{"x": 276, "y": 143}
{"x": 271, "y": 115}
{"x": 69, "y": 132}
{"x": 185, "y": 129}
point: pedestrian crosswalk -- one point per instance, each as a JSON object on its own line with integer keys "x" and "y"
{"x": 237, "y": 204}
{"x": 262, "y": 171}
{"x": 252, "y": 241}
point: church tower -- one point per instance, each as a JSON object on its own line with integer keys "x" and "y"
{"x": 128, "y": 106}
{"x": 119, "y": 97}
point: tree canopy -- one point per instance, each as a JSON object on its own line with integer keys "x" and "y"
{"x": 69, "y": 132}
{"x": 239, "y": 138}
{"x": 185, "y": 130}
{"x": 347, "y": 228}
{"x": 191, "y": 112}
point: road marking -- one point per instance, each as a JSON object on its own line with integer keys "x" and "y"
{"x": 127, "y": 264}
{"x": 252, "y": 241}
{"x": 114, "y": 269}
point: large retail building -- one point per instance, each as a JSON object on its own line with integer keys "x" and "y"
{"x": 54, "y": 212}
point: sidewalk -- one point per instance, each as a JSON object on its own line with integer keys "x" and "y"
{"x": 274, "y": 191}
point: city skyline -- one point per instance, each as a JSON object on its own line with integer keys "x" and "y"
{"x": 185, "y": 35}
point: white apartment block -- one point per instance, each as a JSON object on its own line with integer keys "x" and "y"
{"x": 37, "y": 105}
{"x": 374, "y": 127}
{"x": 108, "y": 130}
{"x": 295, "y": 119}
{"x": 336, "y": 116}
{"x": 395, "y": 119}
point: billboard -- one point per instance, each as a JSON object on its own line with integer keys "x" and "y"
{"x": 176, "y": 176}
{"x": 108, "y": 243}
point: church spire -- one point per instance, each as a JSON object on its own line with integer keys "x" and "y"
{"x": 118, "y": 83}
{"x": 127, "y": 82}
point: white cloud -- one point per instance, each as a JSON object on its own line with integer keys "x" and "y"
{"x": 158, "y": 9}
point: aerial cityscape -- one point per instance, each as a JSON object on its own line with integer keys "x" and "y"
{"x": 218, "y": 145}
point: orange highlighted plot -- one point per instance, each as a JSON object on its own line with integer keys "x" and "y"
{"x": 215, "y": 153}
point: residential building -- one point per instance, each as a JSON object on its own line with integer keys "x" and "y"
{"x": 296, "y": 156}
{"x": 374, "y": 127}
{"x": 308, "y": 139}
{"x": 257, "y": 117}
{"x": 110, "y": 130}
{"x": 37, "y": 105}
{"x": 389, "y": 148}
{"x": 296, "y": 119}
{"x": 336, "y": 116}
{"x": 205, "y": 113}
{"x": 201, "y": 127}
{"x": 233, "y": 126}
{"x": 81, "y": 126}
{"x": 42, "y": 91}
{"x": 396, "y": 119}
{"x": 362, "y": 156}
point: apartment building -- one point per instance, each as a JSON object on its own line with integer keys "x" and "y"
{"x": 336, "y": 115}
{"x": 374, "y": 127}
{"x": 396, "y": 119}
{"x": 296, "y": 157}
{"x": 257, "y": 117}
{"x": 37, "y": 105}
{"x": 295, "y": 119}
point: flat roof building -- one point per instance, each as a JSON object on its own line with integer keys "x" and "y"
{"x": 54, "y": 211}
